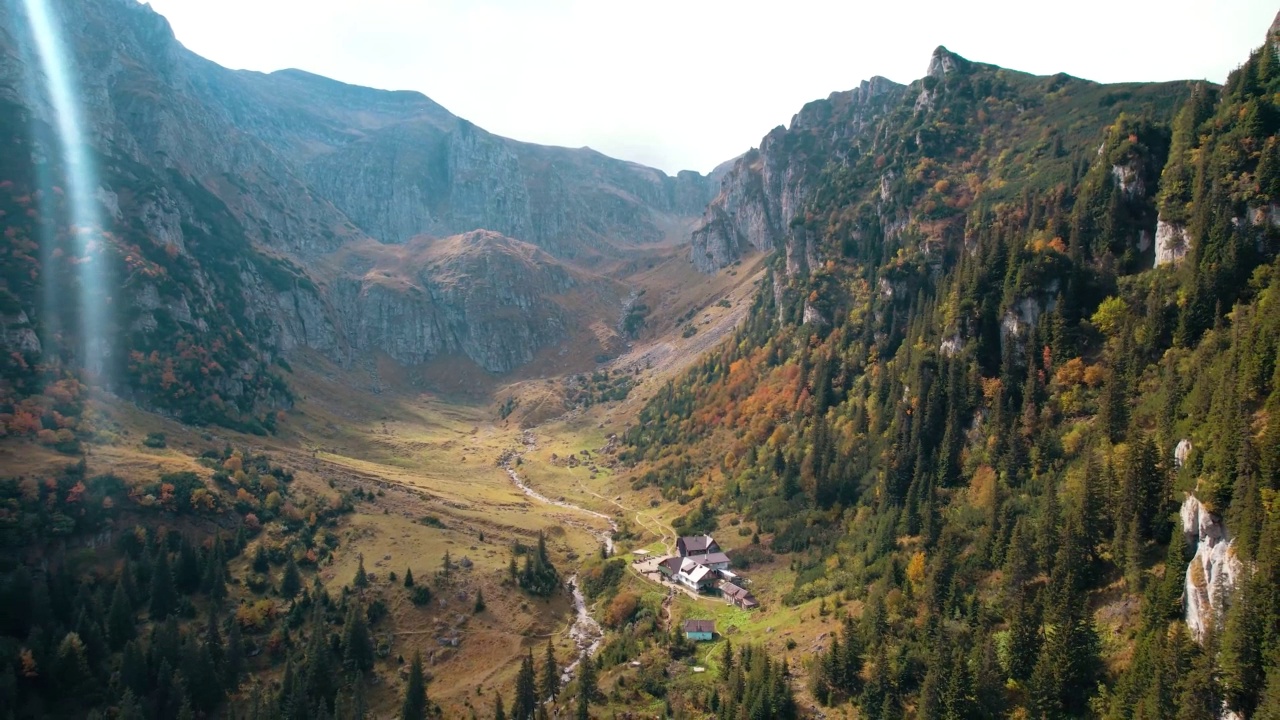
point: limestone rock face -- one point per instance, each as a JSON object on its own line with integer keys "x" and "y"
{"x": 262, "y": 203}
{"x": 1171, "y": 243}
{"x": 767, "y": 187}
{"x": 1215, "y": 570}
{"x": 493, "y": 299}
{"x": 1181, "y": 453}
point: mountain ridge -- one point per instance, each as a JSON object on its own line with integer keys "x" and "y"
{"x": 244, "y": 184}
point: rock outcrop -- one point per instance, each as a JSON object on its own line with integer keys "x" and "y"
{"x": 1171, "y": 242}
{"x": 493, "y": 299}
{"x": 1215, "y": 570}
{"x": 768, "y": 186}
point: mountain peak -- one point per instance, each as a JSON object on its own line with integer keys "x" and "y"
{"x": 942, "y": 62}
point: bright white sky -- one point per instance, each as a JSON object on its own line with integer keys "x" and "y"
{"x": 689, "y": 83}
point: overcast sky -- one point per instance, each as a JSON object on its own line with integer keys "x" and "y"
{"x": 689, "y": 83}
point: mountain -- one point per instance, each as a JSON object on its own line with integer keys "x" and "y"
{"x": 239, "y": 207}
{"x": 1009, "y": 398}
{"x": 991, "y": 401}
{"x": 1037, "y": 120}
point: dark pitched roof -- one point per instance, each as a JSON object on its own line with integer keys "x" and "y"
{"x": 738, "y": 593}
{"x": 703, "y": 626}
{"x": 709, "y": 558}
{"x": 672, "y": 563}
{"x": 697, "y": 544}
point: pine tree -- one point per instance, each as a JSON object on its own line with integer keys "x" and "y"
{"x": 129, "y": 707}
{"x": 260, "y": 563}
{"x": 549, "y": 688}
{"x": 1242, "y": 643}
{"x": 1024, "y": 636}
{"x": 357, "y": 645}
{"x": 164, "y": 598}
{"x": 479, "y": 606}
{"x": 187, "y": 572}
{"x": 233, "y": 663}
{"x": 1269, "y": 703}
{"x": 498, "y": 713}
{"x": 587, "y": 689}
{"x": 291, "y": 581}
{"x": 362, "y": 578}
{"x": 120, "y": 619}
{"x": 133, "y": 669}
{"x": 525, "y": 703}
{"x": 317, "y": 671}
{"x": 415, "y": 694}
{"x": 408, "y": 577}
{"x": 70, "y": 673}
{"x": 1200, "y": 698}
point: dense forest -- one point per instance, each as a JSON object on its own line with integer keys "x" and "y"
{"x": 978, "y": 414}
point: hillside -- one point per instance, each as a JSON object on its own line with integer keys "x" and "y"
{"x": 1015, "y": 364}
{"x": 368, "y": 412}
{"x": 225, "y": 204}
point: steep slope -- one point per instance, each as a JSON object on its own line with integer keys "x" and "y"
{"x": 1008, "y": 128}
{"x": 488, "y": 297}
{"x": 976, "y": 391}
{"x": 399, "y": 166}
{"x": 229, "y": 202}
{"x": 766, "y": 188}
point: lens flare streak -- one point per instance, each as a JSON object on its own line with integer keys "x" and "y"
{"x": 85, "y": 223}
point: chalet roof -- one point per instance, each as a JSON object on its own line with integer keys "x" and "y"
{"x": 700, "y": 626}
{"x": 697, "y": 573}
{"x": 710, "y": 558}
{"x": 696, "y": 544}
{"x": 738, "y": 593}
{"x": 673, "y": 563}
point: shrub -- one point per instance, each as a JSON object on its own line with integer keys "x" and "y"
{"x": 156, "y": 440}
{"x": 621, "y": 609}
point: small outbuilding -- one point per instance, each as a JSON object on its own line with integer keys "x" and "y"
{"x": 739, "y": 596}
{"x": 700, "y": 630}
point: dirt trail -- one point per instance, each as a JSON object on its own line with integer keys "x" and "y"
{"x": 646, "y": 520}
{"x": 585, "y": 632}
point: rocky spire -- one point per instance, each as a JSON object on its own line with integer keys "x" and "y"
{"x": 942, "y": 62}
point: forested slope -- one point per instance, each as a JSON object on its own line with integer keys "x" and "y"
{"x": 1020, "y": 295}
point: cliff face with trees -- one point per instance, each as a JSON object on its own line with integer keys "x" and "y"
{"x": 958, "y": 396}
{"x": 244, "y": 216}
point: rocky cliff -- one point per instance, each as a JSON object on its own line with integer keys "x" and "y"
{"x": 767, "y": 187}
{"x": 493, "y": 299}
{"x": 859, "y": 134}
{"x": 398, "y": 165}
{"x": 232, "y": 201}
{"x": 1215, "y": 570}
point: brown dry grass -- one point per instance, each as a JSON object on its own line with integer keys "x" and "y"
{"x": 426, "y": 439}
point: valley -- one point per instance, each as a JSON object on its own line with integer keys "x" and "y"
{"x": 320, "y": 401}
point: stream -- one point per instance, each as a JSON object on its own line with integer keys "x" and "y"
{"x": 586, "y": 633}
